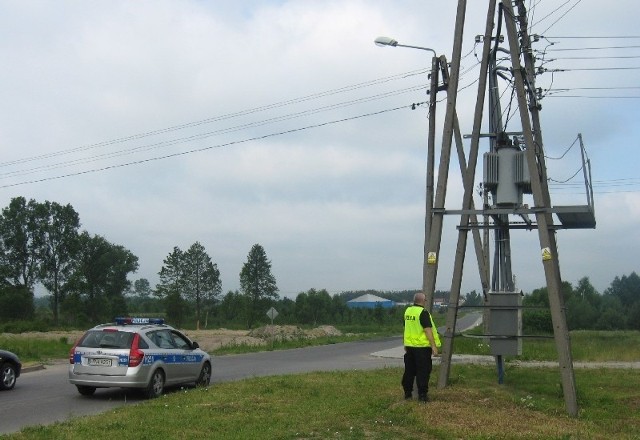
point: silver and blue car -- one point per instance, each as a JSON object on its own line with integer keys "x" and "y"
{"x": 141, "y": 353}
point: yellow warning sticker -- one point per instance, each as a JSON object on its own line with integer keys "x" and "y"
{"x": 546, "y": 254}
{"x": 431, "y": 258}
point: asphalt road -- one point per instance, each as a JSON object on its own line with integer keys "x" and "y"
{"x": 45, "y": 396}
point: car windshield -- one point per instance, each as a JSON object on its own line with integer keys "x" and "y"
{"x": 106, "y": 339}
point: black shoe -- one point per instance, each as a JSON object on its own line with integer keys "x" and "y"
{"x": 408, "y": 396}
{"x": 423, "y": 399}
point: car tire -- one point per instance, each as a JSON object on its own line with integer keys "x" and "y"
{"x": 205, "y": 375}
{"x": 85, "y": 390}
{"x": 7, "y": 376}
{"x": 155, "y": 388}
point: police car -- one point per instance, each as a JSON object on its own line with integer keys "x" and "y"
{"x": 139, "y": 353}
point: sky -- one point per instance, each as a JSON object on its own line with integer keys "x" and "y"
{"x": 280, "y": 123}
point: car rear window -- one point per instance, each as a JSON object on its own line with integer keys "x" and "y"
{"x": 106, "y": 339}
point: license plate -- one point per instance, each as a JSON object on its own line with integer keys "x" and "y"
{"x": 100, "y": 362}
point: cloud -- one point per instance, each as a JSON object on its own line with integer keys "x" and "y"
{"x": 281, "y": 123}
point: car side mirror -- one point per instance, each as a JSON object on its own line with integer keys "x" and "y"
{"x": 194, "y": 345}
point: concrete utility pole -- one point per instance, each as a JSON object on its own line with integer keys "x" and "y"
{"x": 512, "y": 168}
{"x": 540, "y": 188}
{"x": 468, "y": 178}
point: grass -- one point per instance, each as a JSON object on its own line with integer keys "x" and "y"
{"x": 33, "y": 349}
{"x": 369, "y": 405}
{"x": 586, "y": 346}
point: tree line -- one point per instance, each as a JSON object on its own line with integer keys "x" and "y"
{"x": 84, "y": 274}
{"x": 617, "y": 308}
{"x": 87, "y": 277}
{"x": 87, "y": 280}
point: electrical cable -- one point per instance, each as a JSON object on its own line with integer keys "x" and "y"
{"x": 200, "y": 136}
{"x": 221, "y": 117}
{"x": 197, "y": 150}
{"x": 565, "y": 153}
{"x": 561, "y": 17}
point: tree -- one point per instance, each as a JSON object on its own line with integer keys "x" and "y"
{"x": 582, "y": 306}
{"x": 634, "y": 316}
{"x": 537, "y": 320}
{"x": 22, "y": 239}
{"x": 99, "y": 279}
{"x": 313, "y": 307}
{"x": 142, "y": 288}
{"x": 140, "y": 298}
{"x": 612, "y": 314}
{"x": 170, "y": 286}
{"x": 61, "y": 244}
{"x": 16, "y": 303}
{"x": 626, "y": 289}
{"x": 189, "y": 277}
{"x": 257, "y": 284}
{"x": 171, "y": 274}
{"x": 201, "y": 282}
{"x": 473, "y": 298}
{"x": 581, "y": 315}
{"x": 232, "y": 307}
{"x": 339, "y": 309}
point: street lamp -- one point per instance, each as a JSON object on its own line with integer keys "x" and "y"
{"x": 435, "y": 65}
{"x": 386, "y": 41}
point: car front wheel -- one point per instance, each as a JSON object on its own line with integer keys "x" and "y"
{"x": 205, "y": 375}
{"x": 7, "y": 376}
{"x": 155, "y": 387}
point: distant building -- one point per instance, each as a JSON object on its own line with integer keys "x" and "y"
{"x": 369, "y": 301}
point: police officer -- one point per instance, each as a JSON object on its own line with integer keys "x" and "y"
{"x": 421, "y": 341}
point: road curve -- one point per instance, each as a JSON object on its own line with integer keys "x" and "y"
{"x": 45, "y": 396}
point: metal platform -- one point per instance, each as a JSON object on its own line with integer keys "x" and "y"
{"x": 576, "y": 217}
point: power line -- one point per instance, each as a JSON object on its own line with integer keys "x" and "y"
{"x": 565, "y": 153}
{"x": 246, "y": 112}
{"x": 544, "y": 69}
{"x": 622, "y": 57}
{"x": 197, "y": 150}
{"x": 200, "y": 136}
{"x": 594, "y": 37}
{"x": 559, "y": 18}
{"x": 591, "y": 97}
{"x": 592, "y": 48}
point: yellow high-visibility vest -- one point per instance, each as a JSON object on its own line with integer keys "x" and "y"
{"x": 414, "y": 335}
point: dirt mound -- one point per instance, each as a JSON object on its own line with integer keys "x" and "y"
{"x": 210, "y": 340}
{"x": 292, "y": 332}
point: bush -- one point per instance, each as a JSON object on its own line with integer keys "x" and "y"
{"x": 23, "y": 326}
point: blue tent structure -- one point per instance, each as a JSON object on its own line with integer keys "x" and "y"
{"x": 369, "y": 301}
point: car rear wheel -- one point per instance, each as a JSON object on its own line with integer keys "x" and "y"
{"x": 155, "y": 387}
{"x": 86, "y": 391}
{"x": 7, "y": 376}
{"x": 205, "y": 375}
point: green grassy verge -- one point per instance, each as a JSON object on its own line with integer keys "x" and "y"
{"x": 369, "y": 405}
{"x": 31, "y": 350}
{"x": 586, "y": 346}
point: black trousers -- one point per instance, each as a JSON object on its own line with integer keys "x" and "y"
{"x": 417, "y": 366}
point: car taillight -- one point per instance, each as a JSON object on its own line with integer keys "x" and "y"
{"x": 72, "y": 352}
{"x": 136, "y": 356}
